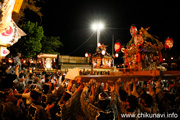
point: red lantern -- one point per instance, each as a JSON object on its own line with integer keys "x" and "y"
{"x": 86, "y": 54}
{"x": 117, "y": 46}
{"x": 138, "y": 40}
{"x": 133, "y": 30}
{"x": 168, "y": 43}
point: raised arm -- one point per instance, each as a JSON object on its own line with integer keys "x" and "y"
{"x": 129, "y": 88}
{"x": 151, "y": 91}
{"x": 158, "y": 86}
{"x": 89, "y": 109}
{"x": 134, "y": 92}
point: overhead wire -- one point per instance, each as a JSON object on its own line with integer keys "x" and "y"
{"x": 81, "y": 44}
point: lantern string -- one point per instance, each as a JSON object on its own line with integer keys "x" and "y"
{"x": 81, "y": 44}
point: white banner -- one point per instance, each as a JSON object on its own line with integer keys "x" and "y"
{"x": 9, "y": 31}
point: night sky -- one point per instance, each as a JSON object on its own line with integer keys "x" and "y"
{"x": 72, "y": 22}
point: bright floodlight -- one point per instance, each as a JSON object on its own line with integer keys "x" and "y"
{"x": 94, "y": 26}
{"x": 98, "y": 26}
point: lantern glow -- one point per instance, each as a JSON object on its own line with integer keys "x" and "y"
{"x": 86, "y": 54}
{"x": 116, "y": 55}
{"x": 10, "y": 60}
{"x": 117, "y": 47}
{"x": 168, "y": 43}
{"x": 99, "y": 44}
{"x": 103, "y": 52}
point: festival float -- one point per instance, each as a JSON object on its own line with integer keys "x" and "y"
{"x": 102, "y": 59}
{"x": 142, "y": 55}
{"x": 143, "y": 51}
{"x": 47, "y": 60}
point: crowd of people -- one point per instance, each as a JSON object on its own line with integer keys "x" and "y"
{"x": 49, "y": 96}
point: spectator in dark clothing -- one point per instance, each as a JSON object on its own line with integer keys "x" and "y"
{"x": 9, "y": 110}
{"x": 35, "y": 110}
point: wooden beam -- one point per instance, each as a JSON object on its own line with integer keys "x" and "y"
{"x": 141, "y": 75}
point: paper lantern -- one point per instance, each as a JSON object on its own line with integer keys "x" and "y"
{"x": 4, "y": 51}
{"x": 117, "y": 46}
{"x": 86, "y": 54}
{"x": 168, "y": 43}
{"x": 138, "y": 40}
{"x": 133, "y": 30}
{"x": 17, "y": 6}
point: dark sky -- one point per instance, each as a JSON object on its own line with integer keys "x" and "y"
{"x": 71, "y": 20}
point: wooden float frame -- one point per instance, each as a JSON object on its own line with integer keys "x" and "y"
{"x": 126, "y": 76}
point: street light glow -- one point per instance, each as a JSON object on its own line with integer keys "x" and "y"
{"x": 101, "y": 26}
{"x": 94, "y": 26}
{"x": 98, "y": 26}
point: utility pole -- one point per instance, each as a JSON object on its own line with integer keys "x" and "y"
{"x": 112, "y": 44}
{"x": 113, "y": 47}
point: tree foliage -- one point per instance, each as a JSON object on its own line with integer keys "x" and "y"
{"x": 32, "y": 6}
{"x": 51, "y": 44}
{"x": 35, "y": 42}
{"x": 30, "y": 45}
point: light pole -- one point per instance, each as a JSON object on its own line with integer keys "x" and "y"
{"x": 98, "y": 27}
{"x": 89, "y": 56}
